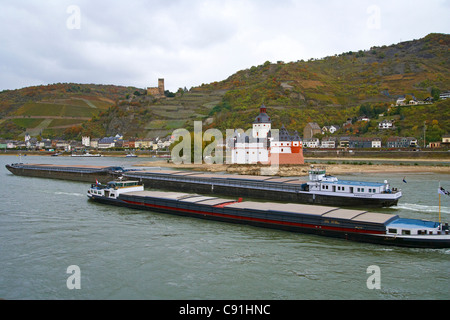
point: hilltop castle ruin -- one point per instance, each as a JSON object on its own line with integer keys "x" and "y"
{"x": 157, "y": 92}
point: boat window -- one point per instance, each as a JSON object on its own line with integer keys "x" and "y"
{"x": 406, "y": 232}
{"x": 392, "y": 230}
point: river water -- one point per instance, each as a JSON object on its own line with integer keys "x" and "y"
{"x": 48, "y": 225}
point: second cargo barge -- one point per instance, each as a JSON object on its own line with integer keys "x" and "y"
{"x": 321, "y": 188}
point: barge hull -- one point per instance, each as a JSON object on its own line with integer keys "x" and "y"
{"x": 276, "y": 195}
{"x": 103, "y": 175}
{"x": 359, "y": 232}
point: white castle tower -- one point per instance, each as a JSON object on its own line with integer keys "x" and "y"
{"x": 262, "y": 124}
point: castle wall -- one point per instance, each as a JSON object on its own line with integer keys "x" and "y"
{"x": 157, "y": 91}
{"x": 286, "y": 158}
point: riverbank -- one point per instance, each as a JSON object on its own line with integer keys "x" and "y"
{"x": 333, "y": 165}
{"x": 301, "y": 170}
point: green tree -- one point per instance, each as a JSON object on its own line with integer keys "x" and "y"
{"x": 435, "y": 93}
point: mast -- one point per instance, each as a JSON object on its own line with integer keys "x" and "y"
{"x": 424, "y": 133}
{"x": 439, "y": 191}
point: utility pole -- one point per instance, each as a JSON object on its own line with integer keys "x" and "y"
{"x": 424, "y": 132}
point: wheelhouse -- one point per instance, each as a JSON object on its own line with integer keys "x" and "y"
{"x": 413, "y": 227}
{"x": 114, "y": 188}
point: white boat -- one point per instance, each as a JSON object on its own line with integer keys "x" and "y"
{"x": 131, "y": 155}
{"x": 333, "y": 191}
{"x": 87, "y": 154}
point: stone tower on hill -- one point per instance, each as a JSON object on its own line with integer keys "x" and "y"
{"x": 157, "y": 92}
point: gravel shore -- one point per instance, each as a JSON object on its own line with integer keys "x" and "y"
{"x": 301, "y": 170}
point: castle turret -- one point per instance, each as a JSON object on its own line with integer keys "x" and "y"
{"x": 161, "y": 86}
{"x": 262, "y": 124}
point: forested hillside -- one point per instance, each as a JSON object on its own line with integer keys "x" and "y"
{"x": 328, "y": 90}
{"x": 56, "y": 109}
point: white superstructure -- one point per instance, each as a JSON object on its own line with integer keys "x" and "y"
{"x": 114, "y": 188}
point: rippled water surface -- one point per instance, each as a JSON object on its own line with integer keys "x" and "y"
{"x": 47, "y": 225}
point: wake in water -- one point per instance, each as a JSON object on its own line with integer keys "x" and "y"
{"x": 70, "y": 194}
{"x": 421, "y": 208}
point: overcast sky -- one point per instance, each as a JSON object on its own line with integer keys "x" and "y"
{"x": 190, "y": 42}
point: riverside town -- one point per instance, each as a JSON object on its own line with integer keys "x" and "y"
{"x": 246, "y": 147}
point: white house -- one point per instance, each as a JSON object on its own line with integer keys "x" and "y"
{"x": 106, "y": 143}
{"x": 376, "y": 143}
{"x": 444, "y": 95}
{"x": 311, "y": 143}
{"x": 328, "y": 143}
{"x": 385, "y": 124}
{"x": 401, "y": 101}
{"x": 10, "y": 145}
{"x": 331, "y": 129}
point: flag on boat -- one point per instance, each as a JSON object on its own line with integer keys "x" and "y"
{"x": 96, "y": 182}
{"x": 443, "y": 191}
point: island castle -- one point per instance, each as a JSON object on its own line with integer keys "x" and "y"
{"x": 158, "y": 91}
{"x": 263, "y": 147}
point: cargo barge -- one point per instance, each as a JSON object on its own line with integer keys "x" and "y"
{"x": 355, "y": 225}
{"x": 321, "y": 189}
{"x": 64, "y": 172}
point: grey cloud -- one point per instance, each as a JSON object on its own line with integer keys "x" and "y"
{"x": 192, "y": 42}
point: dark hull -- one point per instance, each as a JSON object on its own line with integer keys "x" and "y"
{"x": 101, "y": 176}
{"x": 363, "y": 234}
{"x": 215, "y": 186}
{"x": 211, "y": 188}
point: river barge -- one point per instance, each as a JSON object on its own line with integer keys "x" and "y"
{"x": 85, "y": 173}
{"x": 321, "y": 189}
{"x": 355, "y": 225}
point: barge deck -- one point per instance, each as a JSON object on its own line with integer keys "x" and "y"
{"x": 84, "y": 173}
{"x": 287, "y": 189}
